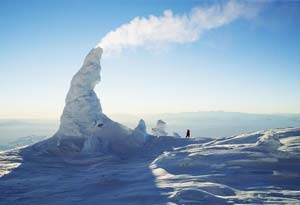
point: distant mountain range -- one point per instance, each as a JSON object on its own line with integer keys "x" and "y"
{"x": 22, "y": 141}
{"x": 12, "y": 129}
{"x": 213, "y": 124}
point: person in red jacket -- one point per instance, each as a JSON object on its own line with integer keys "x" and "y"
{"x": 188, "y": 133}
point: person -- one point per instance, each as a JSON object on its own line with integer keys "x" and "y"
{"x": 188, "y": 133}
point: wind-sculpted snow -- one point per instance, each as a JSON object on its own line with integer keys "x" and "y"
{"x": 243, "y": 169}
{"x": 252, "y": 168}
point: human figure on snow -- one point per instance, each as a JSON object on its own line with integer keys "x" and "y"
{"x": 188, "y": 133}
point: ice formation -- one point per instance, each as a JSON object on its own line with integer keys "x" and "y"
{"x": 141, "y": 129}
{"x": 84, "y": 128}
{"x": 82, "y": 112}
{"x": 160, "y": 129}
{"x": 175, "y": 134}
{"x": 269, "y": 141}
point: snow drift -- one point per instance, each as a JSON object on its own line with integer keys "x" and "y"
{"x": 254, "y": 168}
{"x": 243, "y": 169}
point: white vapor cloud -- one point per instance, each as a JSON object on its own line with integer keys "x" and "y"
{"x": 158, "y": 31}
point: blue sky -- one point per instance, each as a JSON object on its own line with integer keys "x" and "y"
{"x": 248, "y": 65}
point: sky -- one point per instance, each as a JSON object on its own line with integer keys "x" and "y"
{"x": 247, "y": 64}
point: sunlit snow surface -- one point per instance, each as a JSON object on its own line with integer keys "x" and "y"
{"x": 261, "y": 167}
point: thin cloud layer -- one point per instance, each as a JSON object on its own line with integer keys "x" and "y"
{"x": 158, "y": 31}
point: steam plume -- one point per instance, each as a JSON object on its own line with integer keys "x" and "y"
{"x": 158, "y": 31}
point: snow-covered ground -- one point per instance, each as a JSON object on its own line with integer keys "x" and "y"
{"x": 255, "y": 168}
{"x": 92, "y": 159}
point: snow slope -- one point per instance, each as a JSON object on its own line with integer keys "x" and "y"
{"x": 255, "y": 168}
